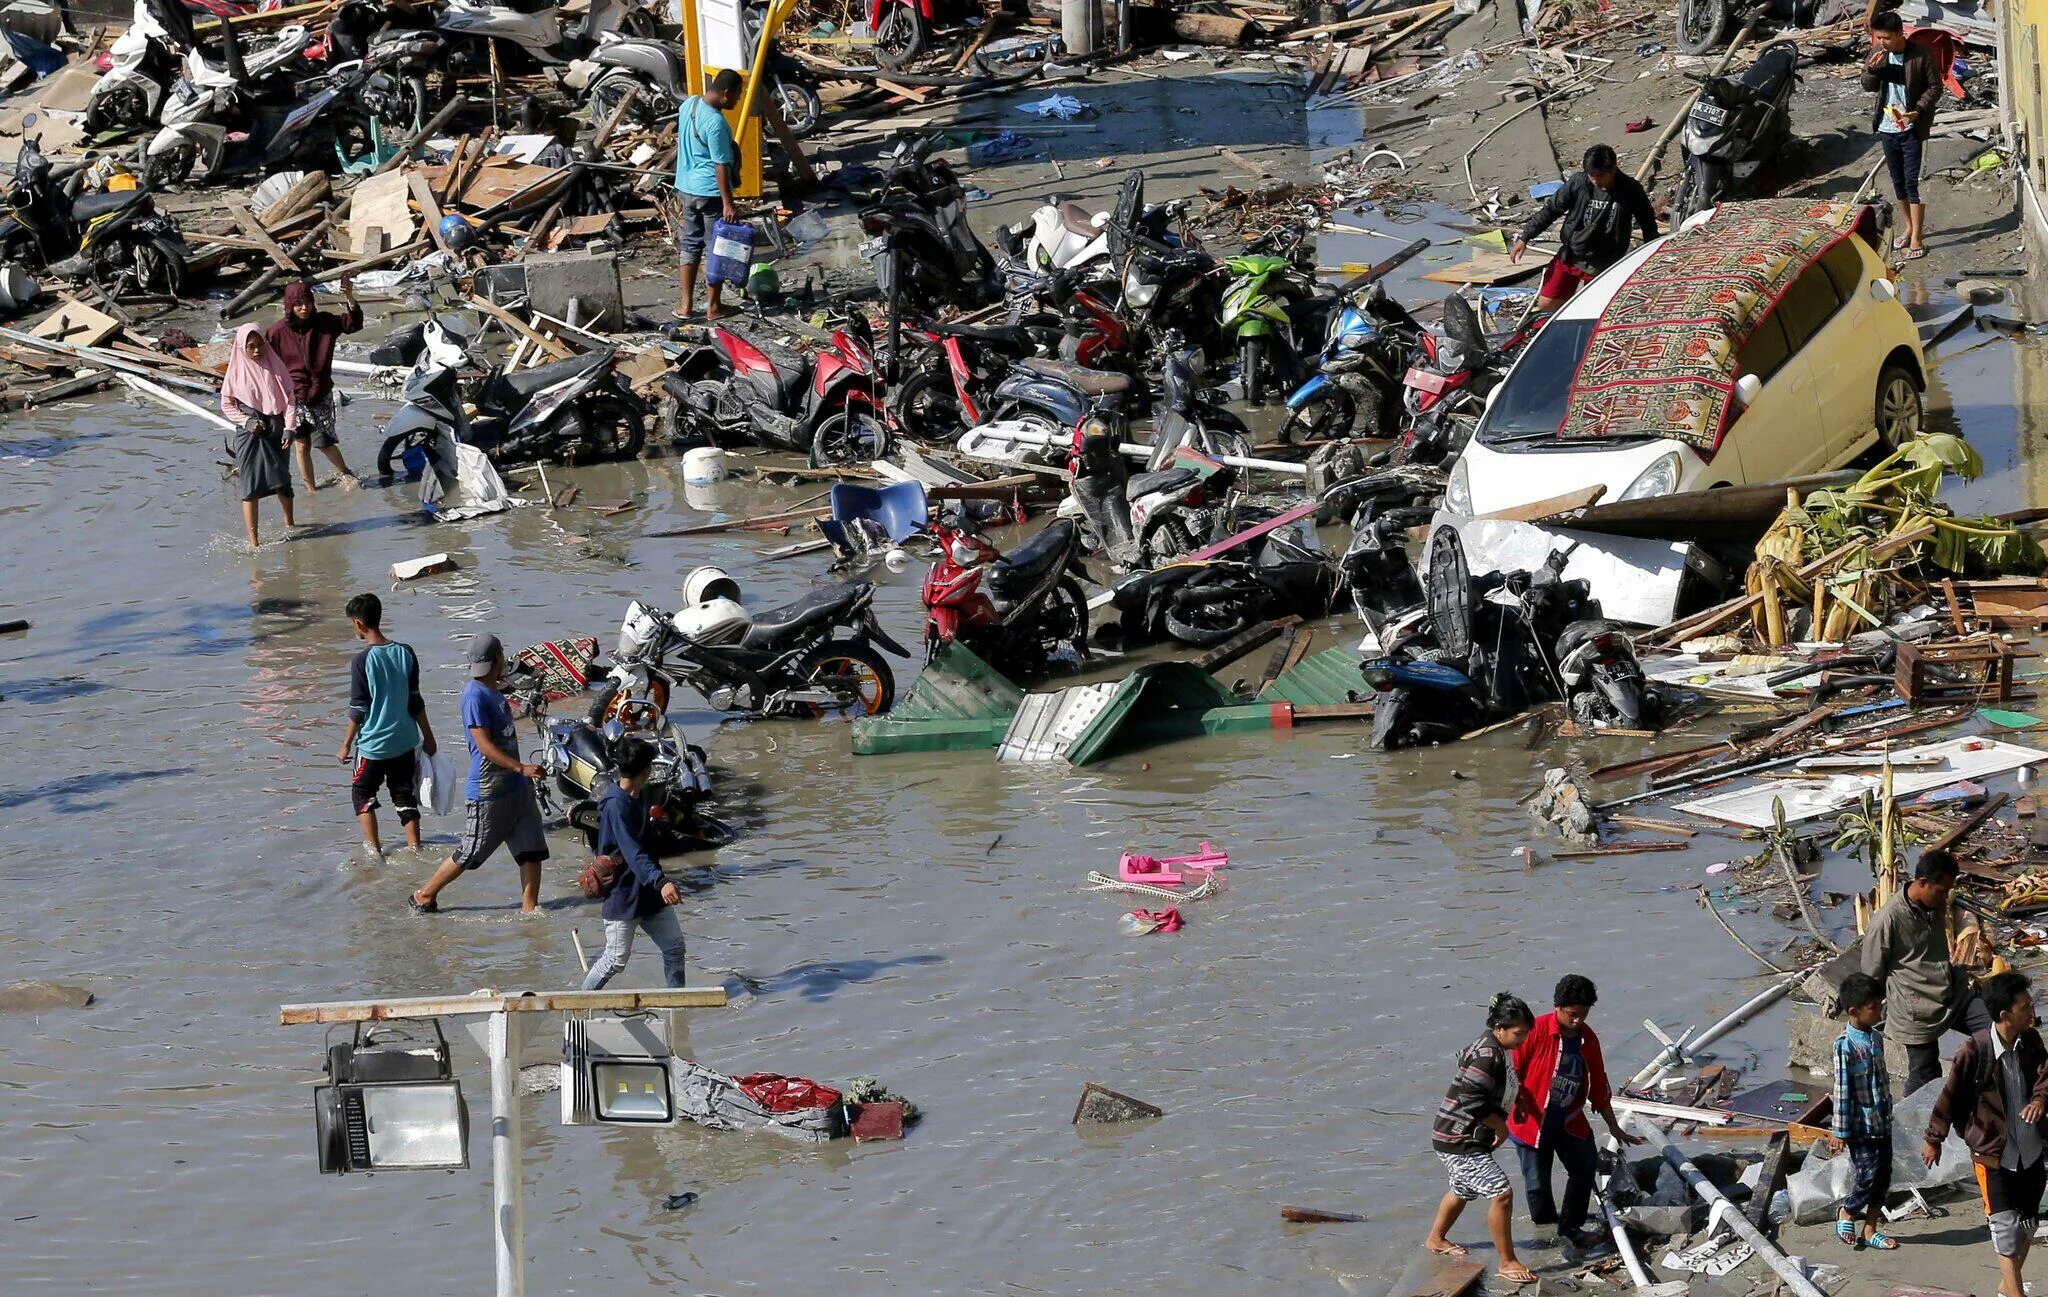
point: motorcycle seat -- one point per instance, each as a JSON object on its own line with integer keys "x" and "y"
{"x": 1165, "y": 479}
{"x": 1024, "y": 565}
{"x": 525, "y": 382}
{"x": 87, "y": 207}
{"x": 1006, "y": 336}
{"x": 1078, "y": 220}
{"x": 777, "y": 626}
{"x": 1089, "y": 382}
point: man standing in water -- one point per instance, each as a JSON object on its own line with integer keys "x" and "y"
{"x": 705, "y": 158}
{"x": 502, "y": 811}
{"x": 304, "y": 341}
{"x": 1597, "y": 205}
{"x": 387, "y": 719}
{"x": 1561, "y": 1072}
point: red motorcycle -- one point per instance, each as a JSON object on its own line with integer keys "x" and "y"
{"x": 1031, "y": 610}
{"x": 826, "y": 403}
{"x": 904, "y": 28}
{"x": 1448, "y": 381}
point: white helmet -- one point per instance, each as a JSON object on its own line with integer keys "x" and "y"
{"x": 708, "y": 583}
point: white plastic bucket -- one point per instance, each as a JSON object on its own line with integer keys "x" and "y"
{"x": 16, "y": 288}
{"x": 703, "y": 466}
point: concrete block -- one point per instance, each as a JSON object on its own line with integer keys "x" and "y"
{"x": 590, "y": 280}
{"x": 1813, "y": 1048}
{"x": 1101, "y": 1105}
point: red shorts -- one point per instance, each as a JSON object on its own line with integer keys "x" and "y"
{"x": 1560, "y": 281}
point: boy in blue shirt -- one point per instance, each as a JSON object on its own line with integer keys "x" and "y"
{"x": 1863, "y": 1112}
{"x": 643, "y": 897}
{"x": 387, "y": 720}
{"x": 502, "y": 811}
{"x": 705, "y": 159}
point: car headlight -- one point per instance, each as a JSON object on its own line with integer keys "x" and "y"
{"x": 1660, "y": 478}
{"x": 1458, "y": 491}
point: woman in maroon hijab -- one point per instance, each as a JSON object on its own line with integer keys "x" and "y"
{"x": 304, "y": 340}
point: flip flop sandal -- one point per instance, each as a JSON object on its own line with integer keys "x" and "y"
{"x": 1522, "y": 1280}
{"x": 1914, "y": 254}
{"x": 431, "y": 907}
{"x": 1448, "y": 1249}
{"x": 1881, "y": 1242}
{"x": 1845, "y": 1230}
{"x": 1899, "y": 243}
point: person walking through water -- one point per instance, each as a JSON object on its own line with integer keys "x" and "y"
{"x": 303, "y": 339}
{"x": 1562, "y": 1074}
{"x": 256, "y": 396}
{"x": 705, "y": 159}
{"x": 1903, "y": 76}
{"x": 387, "y": 720}
{"x": 642, "y": 896}
{"x": 1471, "y": 1123}
{"x": 1597, "y": 205}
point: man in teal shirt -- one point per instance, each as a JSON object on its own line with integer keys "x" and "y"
{"x": 705, "y": 158}
{"x": 387, "y": 720}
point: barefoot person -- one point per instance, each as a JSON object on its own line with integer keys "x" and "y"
{"x": 1903, "y": 76}
{"x": 304, "y": 340}
{"x": 502, "y": 811}
{"x": 643, "y": 897}
{"x": 387, "y": 720}
{"x": 1470, "y": 1124}
{"x": 1997, "y": 1095}
{"x": 705, "y": 159}
{"x": 256, "y": 396}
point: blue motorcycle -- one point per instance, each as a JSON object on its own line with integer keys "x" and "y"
{"x": 1357, "y": 383}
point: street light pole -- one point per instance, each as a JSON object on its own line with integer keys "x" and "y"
{"x": 508, "y": 1207}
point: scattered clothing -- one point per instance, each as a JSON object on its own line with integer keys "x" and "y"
{"x": 1064, "y": 107}
{"x": 1145, "y": 922}
{"x": 703, "y": 141}
{"x": 1474, "y": 1176}
{"x": 1595, "y": 232}
{"x": 307, "y": 350}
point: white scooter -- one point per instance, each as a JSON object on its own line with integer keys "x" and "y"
{"x": 215, "y": 98}
{"x": 145, "y": 60}
{"x": 608, "y": 50}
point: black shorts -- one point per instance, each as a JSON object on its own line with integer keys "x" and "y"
{"x": 400, "y": 774}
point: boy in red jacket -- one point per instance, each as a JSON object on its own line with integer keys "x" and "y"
{"x": 1561, "y": 1069}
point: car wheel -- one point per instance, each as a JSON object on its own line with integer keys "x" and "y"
{"x": 1899, "y": 410}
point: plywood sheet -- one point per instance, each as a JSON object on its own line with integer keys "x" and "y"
{"x": 381, "y": 203}
{"x": 1807, "y": 799}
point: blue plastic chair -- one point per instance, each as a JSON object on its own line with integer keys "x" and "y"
{"x": 900, "y": 508}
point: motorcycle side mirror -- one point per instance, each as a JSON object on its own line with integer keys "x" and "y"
{"x": 1747, "y": 389}
{"x": 28, "y": 120}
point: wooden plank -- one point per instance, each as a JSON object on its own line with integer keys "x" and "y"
{"x": 380, "y": 202}
{"x": 1430, "y": 1275}
{"x": 439, "y": 1006}
{"x": 1242, "y": 643}
{"x": 78, "y": 324}
{"x": 552, "y": 346}
{"x": 253, "y": 228}
{"x": 1537, "y": 510}
{"x": 1970, "y": 824}
{"x": 1619, "y": 849}
{"x": 430, "y": 209}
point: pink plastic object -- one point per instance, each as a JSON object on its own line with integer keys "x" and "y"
{"x": 1134, "y": 868}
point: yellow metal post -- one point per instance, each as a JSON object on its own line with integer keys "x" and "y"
{"x": 742, "y": 117}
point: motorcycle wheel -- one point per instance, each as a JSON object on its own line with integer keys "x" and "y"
{"x": 615, "y": 427}
{"x": 124, "y": 108}
{"x": 926, "y": 408}
{"x": 1325, "y": 416}
{"x": 1701, "y": 24}
{"x": 412, "y": 105}
{"x": 802, "y": 110}
{"x": 162, "y": 170}
{"x": 1251, "y": 354}
{"x": 638, "y": 23}
{"x": 1389, "y": 720}
{"x": 900, "y": 36}
{"x": 1064, "y": 619}
{"x": 1207, "y": 622}
{"x": 855, "y": 435}
{"x": 857, "y": 671}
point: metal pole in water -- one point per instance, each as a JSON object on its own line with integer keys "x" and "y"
{"x": 508, "y": 1211}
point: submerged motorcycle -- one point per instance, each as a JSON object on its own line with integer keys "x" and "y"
{"x": 735, "y": 389}
{"x": 1258, "y": 315}
{"x": 569, "y": 412}
{"x": 576, "y": 763}
{"x": 813, "y": 657}
{"x": 1018, "y": 611}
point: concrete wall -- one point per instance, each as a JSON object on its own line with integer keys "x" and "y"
{"x": 2025, "y": 99}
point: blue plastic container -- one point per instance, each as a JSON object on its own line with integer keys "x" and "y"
{"x": 731, "y": 255}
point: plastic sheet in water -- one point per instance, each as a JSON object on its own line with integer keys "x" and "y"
{"x": 1818, "y": 1188}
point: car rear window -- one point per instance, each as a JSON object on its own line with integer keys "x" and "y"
{"x": 1532, "y": 402}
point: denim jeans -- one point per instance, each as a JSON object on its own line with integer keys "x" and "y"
{"x": 661, "y": 928}
{"x": 1581, "y": 1159}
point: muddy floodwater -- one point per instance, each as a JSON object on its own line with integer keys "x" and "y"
{"x": 178, "y": 839}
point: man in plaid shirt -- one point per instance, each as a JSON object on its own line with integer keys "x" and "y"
{"x": 1863, "y": 1112}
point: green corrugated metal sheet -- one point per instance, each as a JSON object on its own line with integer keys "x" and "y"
{"x": 959, "y": 702}
{"x": 1158, "y": 695}
{"x": 1319, "y": 679}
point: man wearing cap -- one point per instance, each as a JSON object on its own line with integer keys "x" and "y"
{"x": 502, "y": 808}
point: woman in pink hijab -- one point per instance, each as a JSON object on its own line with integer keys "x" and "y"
{"x": 257, "y": 396}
